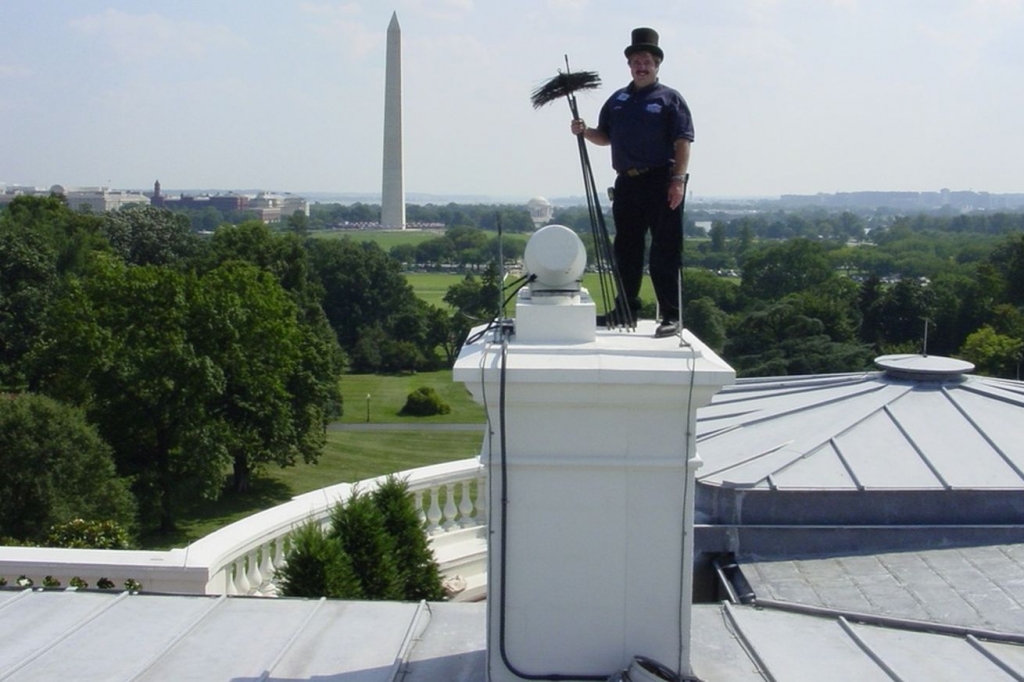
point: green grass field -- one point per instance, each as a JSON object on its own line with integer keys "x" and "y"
{"x": 388, "y": 394}
{"x": 383, "y": 238}
{"x": 349, "y": 456}
{"x": 432, "y": 286}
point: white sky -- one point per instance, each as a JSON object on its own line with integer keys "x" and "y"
{"x": 788, "y": 96}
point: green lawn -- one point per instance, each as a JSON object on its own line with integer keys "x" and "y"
{"x": 349, "y": 456}
{"x": 432, "y": 286}
{"x": 383, "y": 238}
{"x": 388, "y": 394}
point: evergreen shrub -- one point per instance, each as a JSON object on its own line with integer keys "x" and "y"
{"x": 424, "y": 402}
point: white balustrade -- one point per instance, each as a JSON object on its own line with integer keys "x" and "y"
{"x": 243, "y": 557}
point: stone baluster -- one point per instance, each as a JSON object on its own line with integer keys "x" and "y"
{"x": 267, "y": 568}
{"x": 253, "y": 574}
{"x": 280, "y": 553}
{"x": 466, "y": 505}
{"x": 229, "y": 580}
{"x": 481, "y": 501}
{"x": 242, "y": 584}
{"x": 434, "y": 512}
{"x": 418, "y": 503}
{"x": 450, "y": 510}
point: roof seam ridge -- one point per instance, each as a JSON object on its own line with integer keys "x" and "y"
{"x": 977, "y": 427}
{"x": 155, "y": 658}
{"x": 866, "y": 648}
{"x": 917, "y": 448}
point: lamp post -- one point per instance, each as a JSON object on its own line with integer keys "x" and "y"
{"x": 367, "y": 408}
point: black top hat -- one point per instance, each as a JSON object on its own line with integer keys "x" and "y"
{"x": 645, "y": 40}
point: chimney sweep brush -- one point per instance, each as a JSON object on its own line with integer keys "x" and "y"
{"x": 566, "y": 84}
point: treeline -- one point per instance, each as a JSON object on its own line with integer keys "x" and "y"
{"x": 828, "y": 305}
{"x": 482, "y": 216}
{"x": 181, "y": 357}
{"x": 165, "y": 359}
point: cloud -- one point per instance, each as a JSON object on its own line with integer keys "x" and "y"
{"x": 12, "y": 71}
{"x": 442, "y": 9}
{"x": 339, "y": 27}
{"x": 331, "y": 11}
{"x": 133, "y": 37}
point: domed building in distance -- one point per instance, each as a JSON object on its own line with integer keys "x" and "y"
{"x": 541, "y": 211}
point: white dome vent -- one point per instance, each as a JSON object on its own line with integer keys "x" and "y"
{"x": 556, "y": 258}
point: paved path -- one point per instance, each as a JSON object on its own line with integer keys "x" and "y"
{"x": 404, "y": 426}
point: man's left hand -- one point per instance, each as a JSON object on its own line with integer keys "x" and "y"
{"x": 675, "y": 193}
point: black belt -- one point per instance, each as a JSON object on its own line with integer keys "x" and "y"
{"x": 637, "y": 172}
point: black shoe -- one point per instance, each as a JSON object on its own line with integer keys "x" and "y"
{"x": 667, "y": 328}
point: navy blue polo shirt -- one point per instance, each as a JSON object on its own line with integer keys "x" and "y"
{"x": 643, "y": 125}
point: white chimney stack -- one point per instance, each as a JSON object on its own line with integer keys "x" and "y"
{"x": 591, "y": 459}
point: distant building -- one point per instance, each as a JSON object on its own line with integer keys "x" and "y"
{"x": 222, "y": 202}
{"x": 268, "y": 206}
{"x": 907, "y": 201}
{"x": 94, "y": 199}
{"x": 541, "y": 211}
{"x": 271, "y": 208}
{"x": 12, "y": 192}
{"x": 98, "y": 199}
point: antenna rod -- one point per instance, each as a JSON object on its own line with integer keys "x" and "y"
{"x": 501, "y": 267}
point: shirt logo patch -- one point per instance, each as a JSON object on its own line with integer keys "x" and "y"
{"x": 654, "y": 108}
{"x": 623, "y": 96}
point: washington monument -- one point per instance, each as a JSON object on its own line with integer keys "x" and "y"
{"x": 392, "y": 213}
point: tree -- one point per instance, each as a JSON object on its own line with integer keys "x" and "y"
{"x": 775, "y": 271}
{"x": 403, "y": 253}
{"x": 418, "y": 572}
{"x": 314, "y": 384}
{"x": 281, "y": 255}
{"x": 146, "y": 235}
{"x": 475, "y": 300}
{"x": 28, "y": 278}
{"x": 119, "y": 344}
{"x": 298, "y": 223}
{"x": 317, "y": 566}
{"x": 707, "y": 321}
{"x": 717, "y": 235}
{"x": 781, "y": 339}
{"x": 41, "y": 241}
{"x": 700, "y": 283}
{"x": 366, "y": 294}
{"x": 56, "y": 468}
{"x": 360, "y": 527}
{"x": 993, "y": 354}
{"x": 187, "y": 374}
{"x": 1009, "y": 259}
{"x": 435, "y": 251}
{"x": 246, "y": 324}
{"x": 901, "y": 312}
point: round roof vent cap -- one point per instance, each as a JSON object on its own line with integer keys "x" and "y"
{"x": 923, "y": 367}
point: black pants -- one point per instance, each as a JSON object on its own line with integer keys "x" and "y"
{"x": 641, "y": 204}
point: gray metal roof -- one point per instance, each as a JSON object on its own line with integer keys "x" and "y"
{"x": 95, "y": 635}
{"x": 937, "y": 427}
{"x": 749, "y": 643}
{"x": 82, "y": 636}
{"x": 971, "y": 587}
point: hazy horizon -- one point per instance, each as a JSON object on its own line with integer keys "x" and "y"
{"x": 789, "y": 96}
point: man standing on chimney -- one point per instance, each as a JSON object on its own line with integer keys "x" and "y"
{"x": 649, "y": 128}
